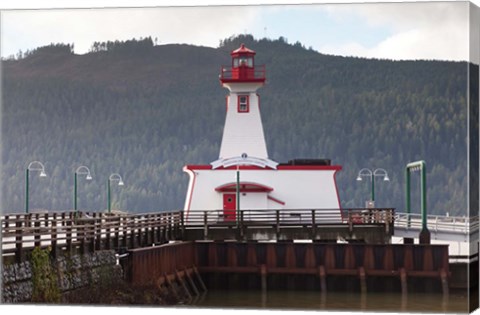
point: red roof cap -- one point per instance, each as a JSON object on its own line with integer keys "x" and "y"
{"x": 243, "y": 50}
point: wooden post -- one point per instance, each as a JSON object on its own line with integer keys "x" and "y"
{"x": 350, "y": 222}
{"x": 54, "y": 234}
{"x": 131, "y": 227}
{"x": 403, "y": 281}
{"x": 18, "y": 239}
{"x": 36, "y": 231}
{"x": 68, "y": 223}
{"x": 172, "y": 287}
{"x": 108, "y": 238}
{"x": 91, "y": 235}
{"x": 181, "y": 280}
{"x": 141, "y": 235}
{"x": 182, "y": 218}
{"x": 323, "y": 278}
{"x": 81, "y": 235}
{"x": 242, "y": 227}
{"x": 191, "y": 282}
{"x": 363, "y": 280}
{"x": 263, "y": 275}
{"x": 202, "y": 284}
{"x": 98, "y": 231}
{"x": 277, "y": 227}
{"x": 314, "y": 226}
{"x": 444, "y": 279}
{"x": 124, "y": 222}
{"x": 205, "y": 225}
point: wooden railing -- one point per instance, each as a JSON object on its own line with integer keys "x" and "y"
{"x": 276, "y": 221}
{"x": 290, "y": 217}
{"x": 93, "y": 231}
{"x": 85, "y": 231}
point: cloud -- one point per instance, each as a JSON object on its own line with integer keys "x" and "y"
{"x": 195, "y": 25}
{"x": 418, "y": 30}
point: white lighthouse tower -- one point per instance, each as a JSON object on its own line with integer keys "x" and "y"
{"x": 243, "y": 138}
{"x": 244, "y": 174}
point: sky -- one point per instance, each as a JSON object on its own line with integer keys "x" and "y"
{"x": 416, "y": 30}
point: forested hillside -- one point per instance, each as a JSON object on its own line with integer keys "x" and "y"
{"x": 145, "y": 111}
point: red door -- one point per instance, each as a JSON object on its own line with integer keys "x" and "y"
{"x": 229, "y": 206}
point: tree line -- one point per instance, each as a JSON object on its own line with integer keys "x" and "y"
{"x": 146, "y": 118}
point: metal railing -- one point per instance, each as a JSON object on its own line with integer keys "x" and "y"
{"x": 437, "y": 223}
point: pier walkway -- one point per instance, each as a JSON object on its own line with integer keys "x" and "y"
{"x": 84, "y": 231}
{"x": 441, "y": 227}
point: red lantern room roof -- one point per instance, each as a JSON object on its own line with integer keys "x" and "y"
{"x": 242, "y": 51}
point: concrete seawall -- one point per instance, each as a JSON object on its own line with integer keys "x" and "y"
{"x": 72, "y": 272}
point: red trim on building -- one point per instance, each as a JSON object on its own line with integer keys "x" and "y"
{"x": 276, "y": 200}
{"x": 191, "y": 191}
{"x": 244, "y": 187}
{"x": 338, "y": 196}
{"x": 247, "y": 109}
{"x": 309, "y": 167}
{"x": 260, "y": 80}
{"x": 198, "y": 167}
{"x": 279, "y": 167}
{"x": 242, "y": 50}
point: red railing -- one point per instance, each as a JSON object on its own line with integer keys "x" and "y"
{"x": 242, "y": 74}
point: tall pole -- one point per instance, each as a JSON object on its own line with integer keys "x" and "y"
{"x": 75, "y": 192}
{"x": 238, "y": 193}
{"x": 424, "y": 236}
{"x": 108, "y": 196}
{"x": 373, "y": 187}
{"x": 407, "y": 196}
{"x": 423, "y": 183}
{"x": 26, "y": 190}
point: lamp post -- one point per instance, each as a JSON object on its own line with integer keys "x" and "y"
{"x": 113, "y": 177}
{"x": 238, "y": 188}
{"x": 81, "y": 170}
{"x": 33, "y": 166}
{"x": 424, "y": 237}
{"x": 365, "y": 172}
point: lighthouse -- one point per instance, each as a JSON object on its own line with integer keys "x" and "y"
{"x": 243, "y": 131}
{"x": 243, "y": 137}
{"x": 244, "y": 177}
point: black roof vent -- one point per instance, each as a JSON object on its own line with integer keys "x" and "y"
{"x": 325, "y": 162}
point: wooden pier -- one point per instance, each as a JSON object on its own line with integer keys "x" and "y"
{"x": 167, "y": 250}
{"x": 320, "y": 261}
{"x": 84, "y": 232}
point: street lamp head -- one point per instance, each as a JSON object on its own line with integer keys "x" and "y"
{"x": 359, "y": 178}
{"x": 37, "y": 166}
{"x": 116, "y": 177}
{"x": 83, "y": 170}
{"x": 386, "y": 178}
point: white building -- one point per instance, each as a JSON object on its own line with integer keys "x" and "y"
{"x": 244, "y": 177}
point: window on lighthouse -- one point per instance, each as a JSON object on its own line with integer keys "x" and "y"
{"x": 243, "y": 104}
{"x": 243, "y": 61}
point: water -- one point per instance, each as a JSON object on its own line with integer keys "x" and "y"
{"x": 335, "y": 301}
